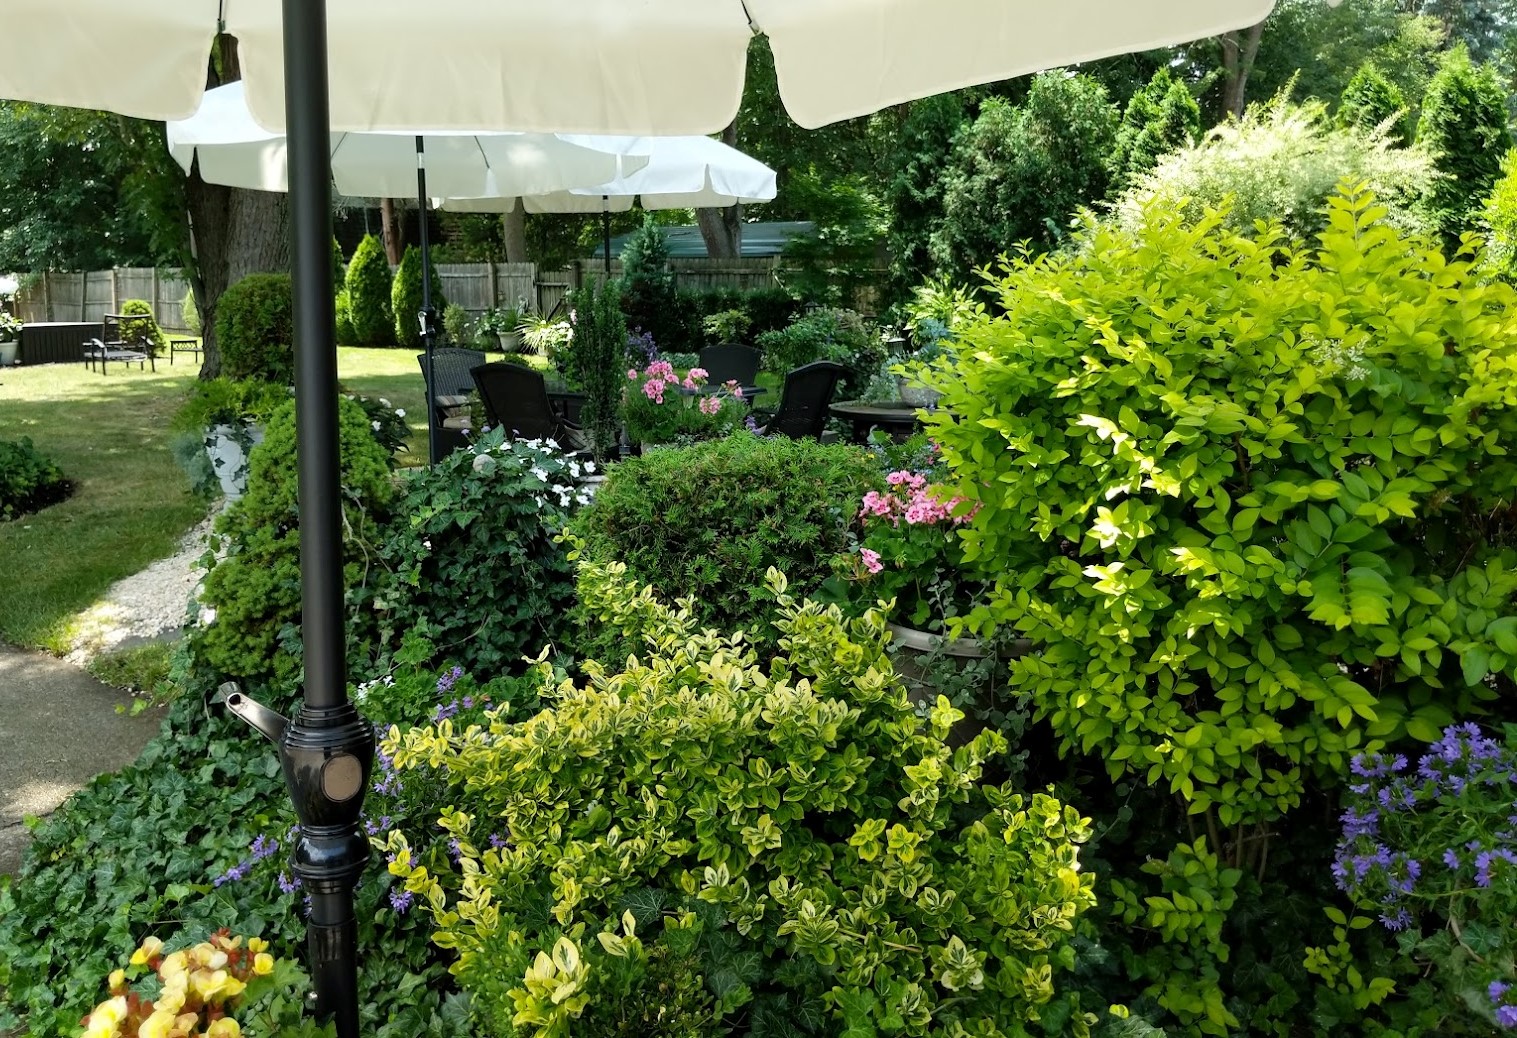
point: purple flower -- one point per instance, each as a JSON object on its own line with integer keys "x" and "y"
{"x": 455, "y": 851}
{"x": 289, "y": 884}
{"x": 264, "y": 847}
{"x": 468, "y": 702}
{"x": 1356, "y": 824}
{"x": 1485, "y": 859}
{"x": 1451, "y": 858}
{"x": 497, "y": 841}
{"x": 1398, "y": 920}
{"x": 1506, "y": 1016}
{"x": 236, "y": 874}
{"x": 1498, "y": 990}
{"x": 448, "y": 680}
{"x": 400, "y": 900}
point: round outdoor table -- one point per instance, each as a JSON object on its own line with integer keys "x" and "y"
{"x": 895, "y": 417}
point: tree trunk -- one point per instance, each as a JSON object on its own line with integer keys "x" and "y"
{"x": 513, "y": 226}
{"x": 722, "y": 229}
{"x": 393, "y": 229}
{"x": 232, "y": 232}
{"x": 1238, "y": 54}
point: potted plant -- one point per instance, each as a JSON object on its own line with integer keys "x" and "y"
{"x": 726, "y": 326}
{"x": 656, "y": 409}
{"x": 227, "y": 415}
{"x": 928, "y": 338}
{"x": 505, "y": 323}
{"x": 10, "y": 334}
{"x": 546, "y": 337}
{"x": 909, "y": 550}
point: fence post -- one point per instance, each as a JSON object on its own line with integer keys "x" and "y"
{"x": 84, "y": 295}
{"x": 47, "y": 303}
{"x": 115, "y": 292}
{"x": 494, "y": 284}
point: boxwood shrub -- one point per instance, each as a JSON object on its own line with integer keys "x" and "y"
{"x": 255, "y": 329}
{"x": 708, "y": 520}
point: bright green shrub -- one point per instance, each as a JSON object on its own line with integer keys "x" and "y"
{"x": 29, "y": 480}
{"x": 369, "y": 288}
{"x": 346, "y": 334}
{"x": 405, "y": 297}
{"x": 708, "y": 520}
{"x": 1018, "y": 174}
{"x": 1251, "y": 504}
{"x": 810, "y": 859}
{"x": 339, "y": 271}
{"x": 255, "y": 329}
{"x": 471, "y": 559}
{"x": 1280, "y": 162}
{"x": 1464, "y": 127}
{"x": 143, "y": 333}
{"x": 1161, "y": 118}
{"x": 255, "y": 589}
{"x": 1370, "y": 100}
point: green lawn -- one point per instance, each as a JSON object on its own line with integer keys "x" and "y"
{"x": 132, "y": 504}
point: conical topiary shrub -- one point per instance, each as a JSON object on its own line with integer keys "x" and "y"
{"x": 369, "y": 294}
{"x": 405, "y": 297}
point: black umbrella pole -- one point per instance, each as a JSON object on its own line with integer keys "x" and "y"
{"x": 327, "y": 750}
{"x": 426, "y": 316}
{"x": 605, "y": 231}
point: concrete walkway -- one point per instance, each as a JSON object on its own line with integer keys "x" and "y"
{"x": 58, "y": 729}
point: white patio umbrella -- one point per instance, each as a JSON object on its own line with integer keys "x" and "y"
{"x": 583, "y": 66}
{"x": 689, "y": 172}
{"x": 234, "y": 150}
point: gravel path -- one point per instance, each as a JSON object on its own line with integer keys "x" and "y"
{"x": 146, "y": 605}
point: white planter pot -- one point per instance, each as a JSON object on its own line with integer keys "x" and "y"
{"x": 510, "y": 342}
{"x": 8, "y": 352}
{"x": 228, "y": 447}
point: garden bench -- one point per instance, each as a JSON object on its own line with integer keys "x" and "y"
{"x": 181, "y": 344}
{"x": 97, "y": 351}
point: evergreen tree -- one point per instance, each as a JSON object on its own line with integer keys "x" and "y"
{"x": 405, "y": 297}
{"x": 1161, "y": 118}
{"x": 368, "y": 283}
{"x": 648, "y": 297}
{"x": 915, "y": 194}
{"x": 1370, "y": 99}
{"x": 1018, "y": 173}
{"x": 1464, "y": 127}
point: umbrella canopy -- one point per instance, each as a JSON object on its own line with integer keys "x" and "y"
{"x": 681, "y": 173}
{"x": 234, "y": 150}
{"x": 583, "y": 66}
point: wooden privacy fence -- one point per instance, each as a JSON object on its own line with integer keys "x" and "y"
{"x": 477, "y": 287}
{"x": 87, "y": 297}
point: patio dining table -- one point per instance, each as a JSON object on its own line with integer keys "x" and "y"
{"x": 895, "y": 417}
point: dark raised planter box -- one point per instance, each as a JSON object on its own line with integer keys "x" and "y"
{"x": 56, "y": 342}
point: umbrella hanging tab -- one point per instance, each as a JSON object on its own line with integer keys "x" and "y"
{"x": 326, "y": 749}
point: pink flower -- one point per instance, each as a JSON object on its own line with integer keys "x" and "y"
{"x": 710, "y": 405}
{"x": 632, "y": 373}
{"x": 653, "y": 389}
{"x": 871, "y": 560}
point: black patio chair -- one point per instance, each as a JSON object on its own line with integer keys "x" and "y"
{"x": 730, "y": 363}
{"x": 516, "y": 397}
{"x": 802, "y": 410}
{"x": 448, "y": 387}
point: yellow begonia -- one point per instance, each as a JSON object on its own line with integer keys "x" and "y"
{"x": 117, "y": 982}
{"x": 215, "y": 985}
{"x": 105, "y": 1021}
{"x": 226, "y": 1027}
{"x": 173, "y": 964}
{"x": 263, "y": 964}
{"x": 150, "y": 948}
{"x": 257, "y": 944}
{"x": 159, "y": 1025}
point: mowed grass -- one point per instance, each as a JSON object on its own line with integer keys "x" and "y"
{"x": 132, "y": 504}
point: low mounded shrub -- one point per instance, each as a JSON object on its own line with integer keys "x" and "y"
{"x": 255, "y": 329}
{"x": 707, "y": 521}
{"x": 826, "y": 334}
{"x": 29, "y": 481}
{"x": 700, "y": 844}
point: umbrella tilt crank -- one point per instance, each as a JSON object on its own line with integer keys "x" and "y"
{"x": 327, "y": 754}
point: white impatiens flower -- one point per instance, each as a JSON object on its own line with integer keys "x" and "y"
{"x": 375, "y": 424}
{"x": 540, "y": 473}
{"x": 382, "y": 400}
{"x": 400, "y": 412}
{"x": 589, "y": 468}
{"x": 574, "y": 469}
